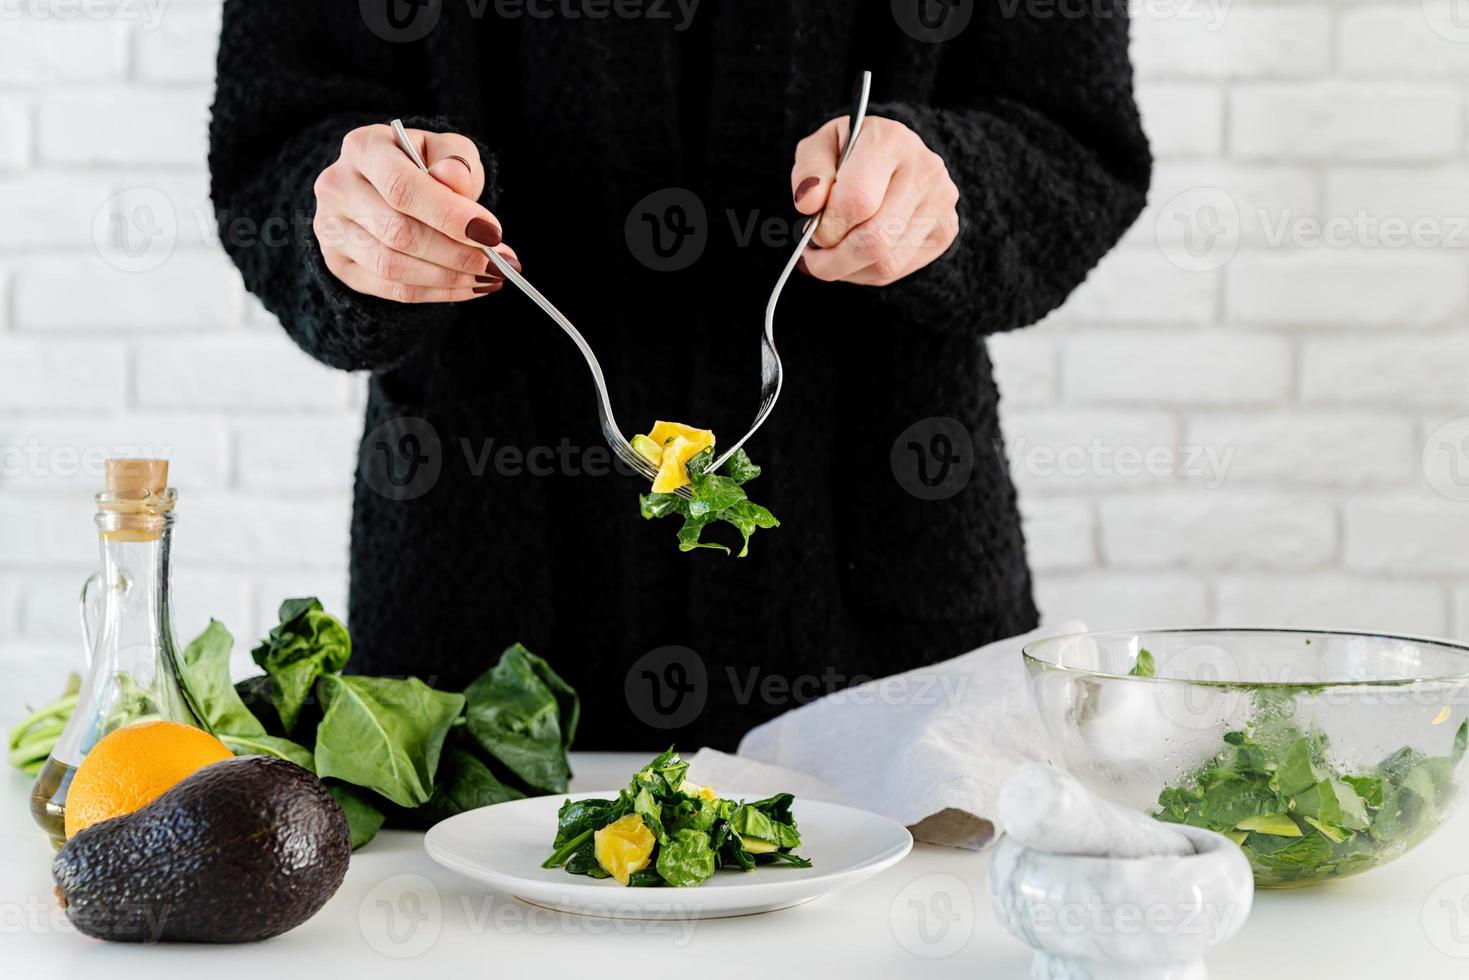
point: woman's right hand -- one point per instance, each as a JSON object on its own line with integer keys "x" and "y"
{"x": 389, "y": 230}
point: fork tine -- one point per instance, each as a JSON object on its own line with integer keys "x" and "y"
{"x": 772, "y": 372}
{"x": 638, "y": 462}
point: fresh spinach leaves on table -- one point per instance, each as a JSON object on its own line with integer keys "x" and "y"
{"x": 307, "y": 644}
{"x": 390, "y": 749}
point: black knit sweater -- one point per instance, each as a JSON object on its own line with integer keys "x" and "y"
{"x": 580, "y": 119}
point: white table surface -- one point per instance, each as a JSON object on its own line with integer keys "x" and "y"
{"x": 399, "y": 914}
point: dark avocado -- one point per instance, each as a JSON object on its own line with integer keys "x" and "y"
{"x": 243, "y": 849}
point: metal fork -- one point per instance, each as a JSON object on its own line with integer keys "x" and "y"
{"x": 772, "y": 373}
{"x": 620, "y": 446}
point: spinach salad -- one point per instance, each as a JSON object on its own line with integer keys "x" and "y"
{"x": 1298, "y": 817}
{"x": 683, "y": 454}
{"x": 662, "y": 830}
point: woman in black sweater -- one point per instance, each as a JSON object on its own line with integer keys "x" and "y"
{"x": 485, "y": 510}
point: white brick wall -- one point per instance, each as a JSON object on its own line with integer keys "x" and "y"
{"x": 102, "y": 129}
{"x": 1224, "y": 428}
{"x": 1308, "y": 348}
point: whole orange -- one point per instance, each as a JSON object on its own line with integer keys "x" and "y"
{"x": 133, "y": 766}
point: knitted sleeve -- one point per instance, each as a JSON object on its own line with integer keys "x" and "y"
{"x": 1036, "y": 121}
{"x": 293, "y": 79}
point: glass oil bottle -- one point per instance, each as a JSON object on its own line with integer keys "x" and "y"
{"x": 127, "y": 630}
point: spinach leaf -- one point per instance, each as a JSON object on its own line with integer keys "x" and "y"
{"x": 255, "y": 694}
{"x": 1274, "y": 792}
{"x": 384, "y": 734}
{"x": 652, "y": 813}
{"x": 750, "y": 822}
{"x": 1303, "y": 857}
{"x": 1227, "y": 803}
{"x": 664, "y": 776}
{"x": 577, "y": 818}
{"x": 715, "y": 498}
{"x": 364, "y": 819}
{"x": 786, "y": 857}
{"x": 583, "y": 861}
{"x": 1369, "y": 788}
{"x": 686, "y": 858}
{"x": 564, "y": 852}
{"x": 695, "y": 814}
{"x": 307, "y": 644}
{"x": 524, "y": 716}
{"x": 740, "y": 469}
{"x": 281, "y": 748}
{"x": 1334, "y": 802}
{"x": 729, "y": 849}
{"x": 1144, "y": 665}
{"x": 778, "y": 808}
{"x": 1298, "y": 772}
{"x": 206, "y": 675}
{"x": 463, "y": 783}
{"x": 713, "y": 494}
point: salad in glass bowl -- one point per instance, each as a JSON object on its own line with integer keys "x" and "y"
{"x": 1321, "y": 754}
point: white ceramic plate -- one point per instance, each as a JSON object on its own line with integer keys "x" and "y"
{"x": 504, "y": 845}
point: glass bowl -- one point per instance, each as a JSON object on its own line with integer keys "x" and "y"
{"x": 1320, "y": 753}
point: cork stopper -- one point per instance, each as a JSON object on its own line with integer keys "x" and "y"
{"x": 137, "y": 474}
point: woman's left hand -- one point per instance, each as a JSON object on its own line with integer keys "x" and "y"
{"x": 893, "y": 211}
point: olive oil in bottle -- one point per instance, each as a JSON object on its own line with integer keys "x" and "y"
{"x": 48, "y": 799}
{"x": 127, "y": 624}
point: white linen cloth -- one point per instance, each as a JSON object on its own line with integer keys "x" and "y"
{"x": 930, "y": 747}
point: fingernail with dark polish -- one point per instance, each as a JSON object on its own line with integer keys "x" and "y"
{"x": 805, "y": 186}
{"x": 483, "y": 290}
{"x": 482, "y": 231}
{"x": 801, "y": 266}
{"x": 488, "y": 279}
{"x": 461, "y": 160}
